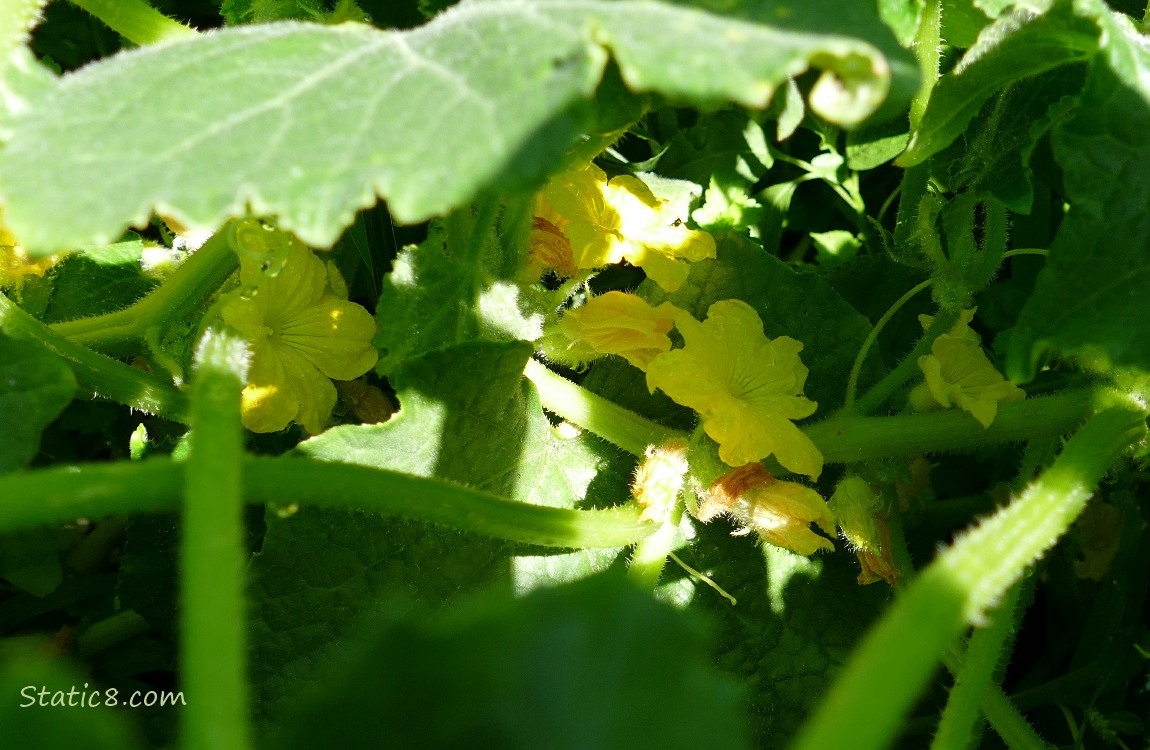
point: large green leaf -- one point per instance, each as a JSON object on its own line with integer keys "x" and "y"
{"x": 1018, "y": 45}
{"x": 311, "y": 123}
{"x": 597, "y": 664}
{"x": 1092, "y": 292}
{"x": 35, "y": 386}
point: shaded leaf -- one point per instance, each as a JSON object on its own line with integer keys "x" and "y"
{"x": 593, "y": 664}
{"x": 35, "y": 386}
{"x": 467, "y": 415}
{"x": 57, "y": 727}
{"x": 1092, "y": 292}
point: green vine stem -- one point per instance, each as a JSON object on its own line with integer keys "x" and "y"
{"x": 853, "y": 380}
{"x": 136, "y": 21}
{"x": 61, "y": 495}
{"x": 96, "y": 373}
{"x": 608, "y": 420}
{"x": 192, "y": 283}
{"x": 213, "y": 642}
{"x": 842, "y": 438}
{"x": 651, "y": 555}
{"x": 974, "y": 676}
{"x": 895, "y": 659}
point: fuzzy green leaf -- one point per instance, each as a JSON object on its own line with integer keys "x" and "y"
{"x": 243, "y": 118}
{"x": 436, "y": 296}
{"x": 1018, "y": 45}
{"x": 35, "y": 386}
{"x": 1092, "y": 292}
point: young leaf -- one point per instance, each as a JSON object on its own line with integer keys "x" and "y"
{"x": 1018, "y": 45}
{"x": 427, "y": 118}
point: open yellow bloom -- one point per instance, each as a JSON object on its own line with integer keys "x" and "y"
{"x": 746, "y": 387}
{"x": 621, "y": 219}
{"x": 779, "y": 512}
{"x": 300, "y": 336}
{"x": 958, "y": 373}
{"x": 618, "y": 323}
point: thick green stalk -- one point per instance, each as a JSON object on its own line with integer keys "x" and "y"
{"x": 609, "y": 421}
{"x": 845, "y": 438}
{"x": 973, "y": 676}
{"x": 650, "y": 557}
{"x": 889, "y": 668}
{"x": 96, "y": 373}
{"x": 136, "y": 21}
{"x": 62, "y": 494}
{"x": 842, "y": 438}
{"x": 188, "y": 288}
{"x": 213, "y": 633}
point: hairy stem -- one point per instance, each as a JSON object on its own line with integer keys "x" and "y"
{"x": 609, "y": 421}
{"x": 96, "y": 373}
{"x": 908, "y": 368}
{"x": 895, "y": 659}
{"x": 136, "y": 21}
{"x": 213, "y": 633}
{"x": 189, "y": 287}
{"x": 853, "y": 380}
{"x": 60, "y": 495}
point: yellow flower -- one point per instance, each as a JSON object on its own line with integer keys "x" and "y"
{"x": 549, "y": 249}
{"x": 621, "y": 219}
{"x": 779, "y": 512}
{"x": 301, "y": 336}
{"x": 746, "y": 387}
{"x": 958, "y": 373}
{"x": 659, "y": 479}
{"x": 617, "y": 323}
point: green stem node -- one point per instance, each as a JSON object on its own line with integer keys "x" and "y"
{"x": 189, "y": 287}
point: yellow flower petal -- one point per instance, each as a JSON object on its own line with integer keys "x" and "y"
{"x": 746, "y": 387}
{"x": 958, "y": 373}
{"x": 607, "y": 221}
{"x": 300, "y": 338}
{"x": 335, "y": 336}
{"x": 779, "y": 512}
{"x": 622, "y": 324}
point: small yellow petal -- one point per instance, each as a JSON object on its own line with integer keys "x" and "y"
{"x": 622, "y": 324}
